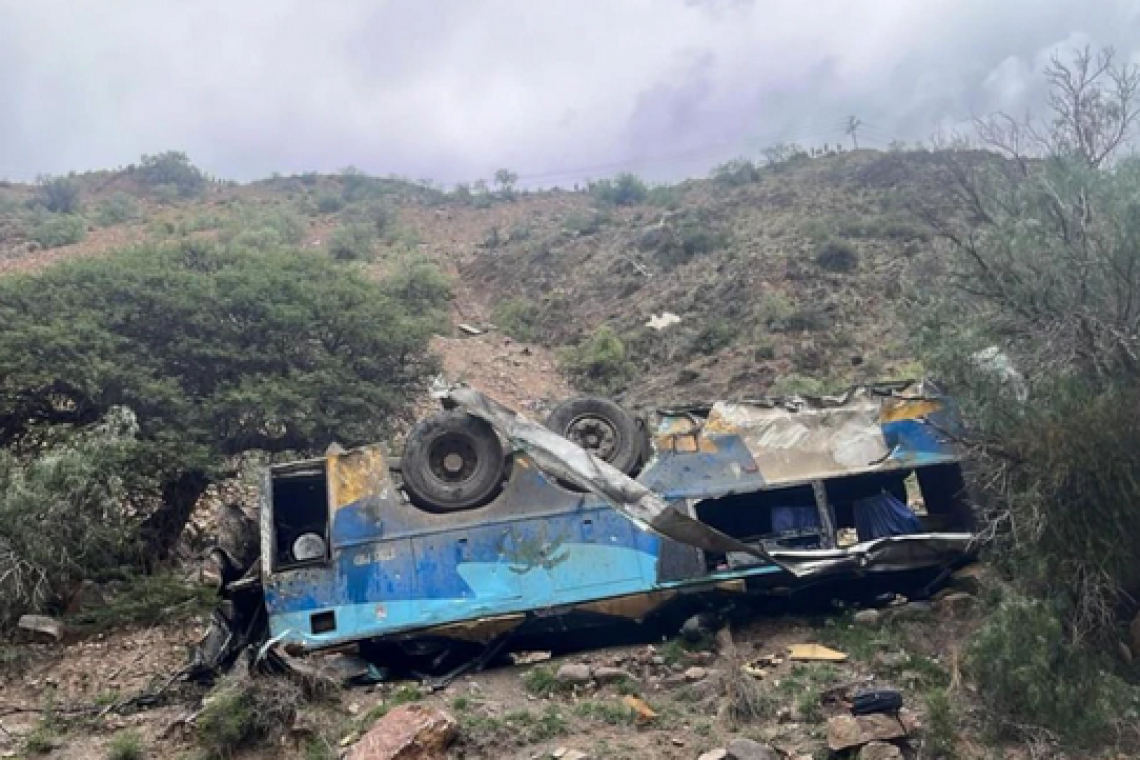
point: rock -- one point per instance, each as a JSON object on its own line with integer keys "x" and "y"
{"x": 695, "y": 674}
{"x": 573, "y": 673}
{"x": 559, "y": 752}
{"x": 741, "y": 748}
{"x": 956, "y": 601}
{"x": 41, "y": 624}
{"x": 699, "y": 627}
{"x": 891, "y": 659}
{"x": 970, "y": 578}
{"x": 848, "y": 731}
{"x": 868, "y": 617}
{"x": 575, "y": 754}
{"x": 408, "y": 732}
{"x": 910, "y": 611}
{"x": 711, "y": 685}
{"x": 720, "y": 753}
{"x": 843, "y": 733}
{"x": 612, "y": 675}
{"x": 880, "y": 751}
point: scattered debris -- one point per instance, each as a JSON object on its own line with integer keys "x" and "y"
{"x": 469, "y": 329}
{"x": 720, "y": 753}
{"x": 529, "y": 658}
{"x": 695, "y": 674}
{"x": 408, "y": 732}
{"x": 41, "y": 624}
{"x": 663, "y": 320}
{"x": 868, "y": 617}
{"x": 814, "y": 653}
{"x": 645, "y": 713}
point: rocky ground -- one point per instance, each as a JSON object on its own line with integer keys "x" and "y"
{"x": 748, "y": 691}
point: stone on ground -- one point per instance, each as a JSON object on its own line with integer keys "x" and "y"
{"x": 720, "y": 753}
{"x": 742, "y": 748}
{"x": 573, "y": 673}
{"x": 612, "y": 675}
{"x": 408, "y": 732}
{"x": 880, "y": 751}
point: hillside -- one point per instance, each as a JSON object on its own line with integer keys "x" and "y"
{"x": 785, "y": 278}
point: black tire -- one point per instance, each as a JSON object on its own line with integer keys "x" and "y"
{"x": 603, "y": 428}
{"x": 452, "y": 461}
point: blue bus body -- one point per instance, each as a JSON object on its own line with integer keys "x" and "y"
{"x": 794, "y": 479}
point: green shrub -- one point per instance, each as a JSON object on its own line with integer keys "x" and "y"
{"x": 172, "y": 174}
{"x": 120, "y": 208}
{"x": 736, "y": 173}
{"x": 796, "y": 385}
{"x": 60, "y": 515}
{"x": 623, "y": 190}
{"x": 719, "y": 334}
{"x": 125, "y": 745}
{"x": 57, "y": 231}
{"x": 59, "y": 195}
{"x": 941, "y": 725}
{"x": 421, "y": 287}
{"x": 217, "y": 350}
{"x": 353, "y": 242}
{"x": 581, "y": 224}
{"x": 329, "y": 203}
{"x": 837, "y": 256}
{"x": 258, "y": 230}
{"x": 243, "y": 710}
{"x": 1030, "y": 675}
{"x": 146, "y": 599}
{"x": 774, "y": 310}
{"x": 599, "y": 363}
{"x": 517, "y": 317}
{"x": 540, "y": 681}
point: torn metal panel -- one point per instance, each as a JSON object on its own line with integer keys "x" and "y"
{"x": 567, "y": 461}
{"x": 730, "y": 447}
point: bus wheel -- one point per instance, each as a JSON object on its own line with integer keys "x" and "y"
{"x": 602, "y": 428}
{"x": 452, "y": 461}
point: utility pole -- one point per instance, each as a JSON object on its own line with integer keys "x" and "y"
{"x": 852, "y": 130}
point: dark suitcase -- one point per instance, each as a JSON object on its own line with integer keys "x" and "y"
{"x": 884, "y": 701}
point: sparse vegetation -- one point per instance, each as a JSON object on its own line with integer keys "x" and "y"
{"x": 353, "y": 242}
{"x": 171, "y": 174}
{"x": 599, "y": 363}
{"x": 517, "y": 317}
{"x": 59, "y": 230}
{"x": 623, "y": 190}
{"x": 125, "y": 745}
{"x": 735, "y": 173}
{"x": 59, "y": 195}
{"x": 837, "y": 256}
{"x": 120, "y": 208}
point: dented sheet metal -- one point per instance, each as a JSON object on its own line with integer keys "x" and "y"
{"x": 738, "y": 446}
{"x": 566, "y": 461}
{"x": 891, "y": 554}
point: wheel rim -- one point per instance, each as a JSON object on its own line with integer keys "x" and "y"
{"x": 596, "y": 435}
{"x": 452, "y": 459}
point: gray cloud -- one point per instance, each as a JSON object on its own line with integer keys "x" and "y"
{"x": 558, "y": 90}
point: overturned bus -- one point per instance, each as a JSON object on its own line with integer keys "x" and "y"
{"x": 491, "y": 527}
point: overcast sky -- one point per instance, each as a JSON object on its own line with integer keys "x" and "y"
{"x": 557, "y": 90}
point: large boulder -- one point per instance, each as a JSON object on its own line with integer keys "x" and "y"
{"x": 408, "y": 732}
{"x": 849, "y": 731}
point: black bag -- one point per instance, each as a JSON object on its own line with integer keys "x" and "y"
{"x": 885, "y": 701}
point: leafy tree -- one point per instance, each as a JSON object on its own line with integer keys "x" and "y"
{"x": 505, "y": 179}
{"x": 216, "y": 351}
{"x": 60, "y": 195}
{"x": 623, "y": 190}
{"x": 1045, "y": 242}
{"x": 172, "y": 170}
